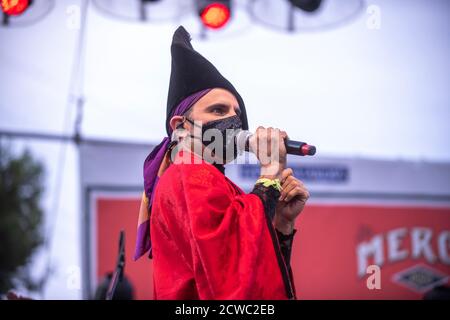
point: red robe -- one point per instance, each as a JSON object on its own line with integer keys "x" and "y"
{"x": 212, "y": 241}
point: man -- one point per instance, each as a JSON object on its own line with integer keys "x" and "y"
{"x": 210, "y": 240}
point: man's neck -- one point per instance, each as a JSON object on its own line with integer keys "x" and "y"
{"x": 189, "y": 156}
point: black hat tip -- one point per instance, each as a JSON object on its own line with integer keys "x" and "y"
{"x": 181, "y": 36}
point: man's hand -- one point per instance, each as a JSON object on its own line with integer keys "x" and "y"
{"x": 291, "y": 202}
{"x": 270, "y": 149}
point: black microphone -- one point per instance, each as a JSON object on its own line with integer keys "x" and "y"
{"x": 293, "y": 147}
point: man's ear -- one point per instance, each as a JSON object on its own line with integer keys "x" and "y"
{"x": 175, "y": 121}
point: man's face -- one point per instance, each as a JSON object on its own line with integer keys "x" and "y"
{"x": 215, "y": 105}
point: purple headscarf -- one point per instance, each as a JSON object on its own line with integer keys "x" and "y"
{"x": 152, "y": 165}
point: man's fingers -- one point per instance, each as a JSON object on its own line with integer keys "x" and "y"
{"x": 282, "y": 146}
{"x": 269, "y": 141}
{"x": 293, "y": 187}
{"x": 269, "y": 145}
{"x": 285, "y": 174}
{"x": 260, "y": 141}
{"x": 288, "y": 186}
{"x": 289, "y": 181}
{"x": 298, "y": 191}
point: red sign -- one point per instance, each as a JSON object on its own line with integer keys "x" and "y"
{"x": 113, "y": 215}
{"x": 337, "y": 252}
{"x": 335, "y": 245}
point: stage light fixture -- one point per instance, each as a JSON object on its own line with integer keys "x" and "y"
{"x": 305, "y": 15}
{"x": 20, "y": 13}
{"x": 144, "y": 11}
{"x": 214, "y": 14}
{"x": 14, "y": 7}
{"x": 306, "y": 5}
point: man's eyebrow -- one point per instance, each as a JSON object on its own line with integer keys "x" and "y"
{"x": 224, "y": 105}
{"x": 218, "y": 104}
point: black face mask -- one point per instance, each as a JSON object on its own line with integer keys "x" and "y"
{"x": 225, "y": 130}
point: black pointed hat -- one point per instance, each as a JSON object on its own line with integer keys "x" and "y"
{"x": 191, "y": 73}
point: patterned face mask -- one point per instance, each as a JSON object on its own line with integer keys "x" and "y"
{"x": 220, "y": 137}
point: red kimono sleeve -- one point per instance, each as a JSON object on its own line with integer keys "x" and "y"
{"x": 225, "y": 238}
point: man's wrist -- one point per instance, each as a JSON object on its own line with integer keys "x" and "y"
{"x": 270, "y": 172}
{"x": 283, "y": 225}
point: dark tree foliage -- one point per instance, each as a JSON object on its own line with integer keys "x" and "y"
{"x": 20, "y": 218}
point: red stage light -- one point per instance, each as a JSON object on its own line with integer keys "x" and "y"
{"x": 14, "y": 7}
{"x": 215, "y": 15}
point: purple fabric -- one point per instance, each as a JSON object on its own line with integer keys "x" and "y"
{"x": 143, "y": 243}
{"x": 151, "y": 167}
{"x": 153, "y": 161}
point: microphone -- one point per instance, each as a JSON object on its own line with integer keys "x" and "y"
{"x": 293, "y": 147}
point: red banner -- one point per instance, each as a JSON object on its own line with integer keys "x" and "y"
{"x": 340, "y": 252}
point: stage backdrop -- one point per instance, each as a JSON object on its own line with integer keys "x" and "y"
{"x": 362, "y": 213}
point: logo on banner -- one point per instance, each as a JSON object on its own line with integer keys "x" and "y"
{"x": 406, "y": 244}
{"x": 420, "y": 278}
